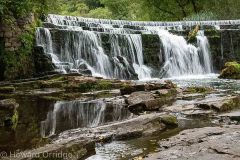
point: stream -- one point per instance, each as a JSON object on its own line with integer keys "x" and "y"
{"x": 41, "y": 120}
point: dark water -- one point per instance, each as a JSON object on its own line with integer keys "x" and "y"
{"x": 27, "y": 133}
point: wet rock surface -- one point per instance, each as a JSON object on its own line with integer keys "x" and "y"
{"x": 151, "y": 104}
{"x": 204, "y": 143}
{"x": 8, "y": 112}
{"x": 80, "y": 142}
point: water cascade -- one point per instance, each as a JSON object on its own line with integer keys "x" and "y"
{"x": 182, "y": 58}
{"x": 77, "y": 114}
{"x": 114, "y": 49}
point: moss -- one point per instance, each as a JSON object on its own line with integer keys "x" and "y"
{"x": 198, "y": 90}
{"x": 231, "y": 71}
{"x": 169, "y": 120}
{"x": 193, "y": 34}
{"x": 212, "y": 33}
{"x": 7, "y": 89}
{"x": 11, "y": 121}
{"x": 103, "y": 85}
{"x": 231, "y": 104}
{"x": 19, "y": 64}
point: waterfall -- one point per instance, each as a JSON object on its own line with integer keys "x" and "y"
{"x": 114, "y": 48}
{"x": 204, "y": 49}
{"x": 81, "y": 51}
{"x": 128, "y": 56}
{"x": 181, "y": 58}
{"x": 77, "y": 114}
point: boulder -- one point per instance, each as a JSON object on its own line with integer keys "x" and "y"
{"x": 146, "y": 101}
{"x": 231, "y": 71}
{"x": 139, "y": 97}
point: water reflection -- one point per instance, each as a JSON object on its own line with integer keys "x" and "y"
{"x": 78, "y": 114}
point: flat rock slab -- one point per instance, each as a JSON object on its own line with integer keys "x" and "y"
{"x": 80, "y": 143}
{"x": 235, "y": 115}
{"x": 201, "y": 144}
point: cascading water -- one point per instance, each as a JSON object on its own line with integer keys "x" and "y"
{"x": 127, "y": 53}
{"x": 181, "y": 58}
{"x": 77, "y": 114}
{"x": 75, "y": 45}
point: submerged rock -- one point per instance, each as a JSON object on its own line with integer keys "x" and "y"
{"x": 231, "y": 71}
{"x": 220, "y": 143}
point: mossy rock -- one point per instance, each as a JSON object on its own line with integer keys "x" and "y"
{"x": 230, "y": 104}
{"x": 169, "y": 120}
{"x": 11, "y": 121}
{"x": 231, "y": 71}
{"x": 198, "y": 90}
{"x": 7, "y": 89}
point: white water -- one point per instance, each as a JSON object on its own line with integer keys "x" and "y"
{"x": 181, "y": 58}
{"x": 82, "y": 51}
{"x": 74, "y": 21}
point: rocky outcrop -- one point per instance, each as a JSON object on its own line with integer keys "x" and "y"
{"x": 43, "y": 62}
{"x": 205, "y": 143}
{"x": 231, "y": 71}
{"x": 8, "y": 113}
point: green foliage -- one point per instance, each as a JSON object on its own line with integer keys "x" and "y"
{"x": 19, "y": 64}
{"x": 201, "y": 16}
{"x": 92, "y": 86}
{"x": 198, "y": 90}
{"x": 100, "y": 13}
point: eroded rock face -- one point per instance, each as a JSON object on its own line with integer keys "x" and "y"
{"x": 43, "y": 62}
{"x": 8, "y": 112}
{"x": 204, "y": 143}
